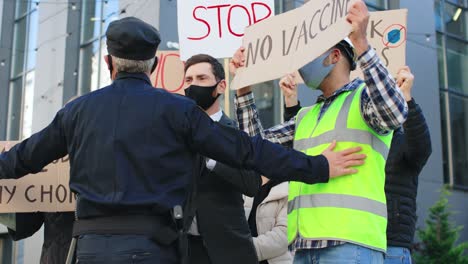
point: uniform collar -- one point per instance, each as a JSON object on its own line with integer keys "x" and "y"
{"x": 348, "y": 87}
{"x": 128, "y": 75}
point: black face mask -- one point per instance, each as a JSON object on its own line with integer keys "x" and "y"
{"x": 202, "y": 95}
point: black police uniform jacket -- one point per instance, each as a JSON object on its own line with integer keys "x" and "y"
{"x": 132, "y": 149}
{"x": 220, "y": 211}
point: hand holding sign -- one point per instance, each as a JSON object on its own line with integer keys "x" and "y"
{"x": 237, "y": 61}
{"x": 358, "y": 16}
{"x": 288, "y": 85}
{"x": 405, "y": 81}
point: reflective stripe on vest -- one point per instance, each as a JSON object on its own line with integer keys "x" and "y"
{"x": 346, "y": 209}
{"x": 345, "y": 133}
{"x": 340, "y": 201}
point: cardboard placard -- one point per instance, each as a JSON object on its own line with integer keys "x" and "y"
{"x": 216, "y": 27}
{"x": 46, "y": 191}
{"x": 386, "y": 33}
{"x": 285, "y": 43}
{"x": 169, "y": 74}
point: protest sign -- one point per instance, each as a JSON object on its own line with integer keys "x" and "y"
{"x": 169, "y": 74}
{"x": 386, "y": 33}
{"x": 284, "y": 43}
{"x": 46, "y": 191}
{"x": 216, "y": 27}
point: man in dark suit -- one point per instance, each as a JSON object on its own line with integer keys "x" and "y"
{"x": 219, "y": 232}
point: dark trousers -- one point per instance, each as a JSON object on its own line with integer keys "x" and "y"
{"x": 120, "y": 249}
{"x": 197, "y": 251}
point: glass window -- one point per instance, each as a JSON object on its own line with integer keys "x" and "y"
{"x": 443, "y": 118}
{"x": 459, "y": 127}
{"x": 440, "y": 59}
{"x": 19, "y": 47}
{"x": 452, "y": 42}
{"x": 14, "y": 109}
{"x": 23, "y": 64}
{"x": 95, "y": 18}
{"x": 457, "y": 65}
{"x": 455, "y": 18}
{"x": 377, "y": 4}
{"x": 6, "y": 248}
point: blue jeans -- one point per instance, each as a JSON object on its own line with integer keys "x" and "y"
{"x": 120, "y": 249}
{"x": 343, "y": 254}
{"x": 398, "y": 255}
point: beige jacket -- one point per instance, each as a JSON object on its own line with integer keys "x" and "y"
{"x": 271, "y": 243}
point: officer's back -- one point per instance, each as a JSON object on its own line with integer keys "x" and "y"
{"x": 114, "y": 132}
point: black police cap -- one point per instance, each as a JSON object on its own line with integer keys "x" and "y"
{"x": 131, "y": 38}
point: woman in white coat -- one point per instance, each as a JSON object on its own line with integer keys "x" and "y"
{"x": 267, "y": 214}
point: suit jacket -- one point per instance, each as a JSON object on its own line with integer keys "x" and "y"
{"x": 220, "y": 211}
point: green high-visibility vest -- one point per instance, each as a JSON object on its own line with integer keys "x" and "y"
{"x": 351, "y": 208}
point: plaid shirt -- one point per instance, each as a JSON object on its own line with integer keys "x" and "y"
{"x": 382, "y": 106}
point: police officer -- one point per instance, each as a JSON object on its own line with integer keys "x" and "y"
{"x": 132, "y": 150}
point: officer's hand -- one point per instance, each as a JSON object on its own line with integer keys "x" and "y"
{"x": 405, "y": 81}
{"x": 289, "y": 87}
{"x": 341, "y": 163}
{"x": 358, "y": 16}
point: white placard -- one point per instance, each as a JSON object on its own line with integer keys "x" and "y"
{"x": 216, "y": 27}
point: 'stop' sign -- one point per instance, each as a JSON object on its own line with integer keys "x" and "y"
{"x": 216, "y": 27}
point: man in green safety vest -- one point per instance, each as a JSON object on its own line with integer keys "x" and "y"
{"x": 345, "y": 220}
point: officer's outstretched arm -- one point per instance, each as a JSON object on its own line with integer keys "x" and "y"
{"x": 237, "y": 149}
{"x": 34, "y": 153}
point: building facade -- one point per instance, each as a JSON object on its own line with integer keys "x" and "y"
{"x": 52, "y": 50}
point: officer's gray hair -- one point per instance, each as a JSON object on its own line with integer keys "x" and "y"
{"x": 132, "y": 66}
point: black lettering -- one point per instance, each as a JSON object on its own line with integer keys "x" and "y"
{"x": 342, "y": 9}
{"x": 374, "y": 29}
{"x": 26, "y": 194}
{"x": 43, "y": 193}
{"x": 285, "y": 53}
{"x": 1, "y": 192}
{"x": 321, "y": 17}
{"x": 10, "y": 192}
{"x": 71, "y": 197}
{"x": 385, "y": 56}
{"x": 270, "y": 47}
{"x": 347, "y": 5}
{"x": 302, "y": 33}
{"x": 333, "y": 12}
{"x": 64, "y": 192}
{"x": 311, "y": 35}
{"x": 250, "y": 53}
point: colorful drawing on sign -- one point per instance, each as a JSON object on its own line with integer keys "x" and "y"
{"x": 394, "y": 36}
{"x": 169, "y": 74}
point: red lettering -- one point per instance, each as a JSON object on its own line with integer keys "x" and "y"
{"x": 163, "y": 73}
{"x": 158, "y": 69}
{"x": 255, "y": 20}
{"x": 203, "y": 21}
{"x": 229, "y": 20}
{"x": 171, "y": 69}
{"x": 219, "y": 17}
{"x": 253, "y": 16}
